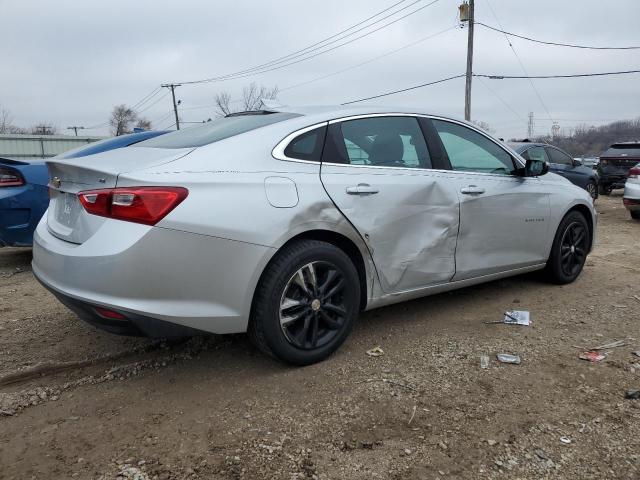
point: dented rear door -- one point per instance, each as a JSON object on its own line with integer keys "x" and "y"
{"x": 405, "y": 210}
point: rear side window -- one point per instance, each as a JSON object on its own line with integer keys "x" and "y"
{"x": 215, "y": 131}
{"x": 559, "y": 157}
{"x": 307, "y": 146}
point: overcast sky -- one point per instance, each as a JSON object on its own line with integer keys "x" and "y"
{"x": 69, "y": 62}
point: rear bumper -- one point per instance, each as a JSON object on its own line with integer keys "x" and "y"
{"x": 631, "y": 197}
{"x": 20, "y": 211}
{"x": 153, "y": 276}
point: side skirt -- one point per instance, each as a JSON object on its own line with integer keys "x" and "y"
{"x": 445, "y": 287}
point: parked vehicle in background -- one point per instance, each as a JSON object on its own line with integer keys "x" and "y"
{"x": 288, "y": 223}
{"x": 24, "y": 192}
{"x": 615, "y": 164}
{"x": 631, "y": 198}
{"x": 561, "y": 163}
{"x": 591, "y": 162}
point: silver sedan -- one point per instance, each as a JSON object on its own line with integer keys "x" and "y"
{"x": 287, "y": 224}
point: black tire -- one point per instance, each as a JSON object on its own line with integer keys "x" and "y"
{"x": 569, "y": 250}
{"x": 592, "y": 189}
{"x": 635, "y": 215}
{"x": 605, "y": 189}
{"x": 318, "y": 330}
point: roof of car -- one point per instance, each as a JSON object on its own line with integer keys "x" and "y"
{"x": 523, "y": 145}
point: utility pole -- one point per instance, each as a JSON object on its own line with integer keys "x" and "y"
{"x": 530, "y": 126}
{"x": 468, "y": 8}
{"x": 75, "y": 129}
{"x": 173, "y": 86}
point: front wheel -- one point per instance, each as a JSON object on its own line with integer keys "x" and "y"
{"x": 306, "y": 303}
{"x": 569, "y": 250}
{"x": 592, "y": 189}
{"x": 605, "y": 189}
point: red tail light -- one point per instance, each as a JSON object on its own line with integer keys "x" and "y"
{"x": 10, "y": 178}
{"x": 146, "y": 205}
{"x": 634, "y": 172}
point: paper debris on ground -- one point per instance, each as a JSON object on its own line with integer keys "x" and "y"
{"x": 508, "y": 358}
{"x": 484, "y": 361}
{"x": 375, "y": 352}
{"x": 593, "y": 356}
{"x": 517, "y": 317}
{"x": 632, "y": 394}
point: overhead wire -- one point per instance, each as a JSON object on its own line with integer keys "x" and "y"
{"x": 442, "y": 80}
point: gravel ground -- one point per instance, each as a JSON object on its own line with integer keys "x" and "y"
{"x": 79, "y": 403}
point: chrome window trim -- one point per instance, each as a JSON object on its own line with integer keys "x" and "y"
{"x": 278, "y": 150}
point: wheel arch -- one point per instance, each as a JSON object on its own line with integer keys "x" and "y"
{"x": 586, "y": 212}
{"x": 344, "y": 243}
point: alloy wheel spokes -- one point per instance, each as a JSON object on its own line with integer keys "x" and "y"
{"x": 573, "y": 248}
{"x": 312, "y": 307}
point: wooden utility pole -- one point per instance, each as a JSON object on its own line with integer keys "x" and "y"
{"x": 467, "y": 86}
{"x": 173, "y": 86}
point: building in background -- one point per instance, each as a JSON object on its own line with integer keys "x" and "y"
{"x": 19, "y": 146}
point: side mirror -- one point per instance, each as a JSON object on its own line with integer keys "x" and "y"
{"x": 536, "y": 168}
{"x": 577, "y": 163}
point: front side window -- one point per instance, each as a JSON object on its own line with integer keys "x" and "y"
{"x": 469, "y": 151}
{"x": 535, "y": 153}
{"x": 385, "y": 142}
{"x": 558, "y": 157}
{"x": 307, "y": 146}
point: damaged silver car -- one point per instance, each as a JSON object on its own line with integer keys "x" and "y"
{"x": 288, "y": 223}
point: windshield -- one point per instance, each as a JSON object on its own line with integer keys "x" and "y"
{"x": 216, "y": 130}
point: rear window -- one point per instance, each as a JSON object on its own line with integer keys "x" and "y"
{"x": 216, "y": 130}
{"x": 623, "y": 150}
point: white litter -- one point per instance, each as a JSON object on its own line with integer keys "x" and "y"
{"x": 517, "y": 317}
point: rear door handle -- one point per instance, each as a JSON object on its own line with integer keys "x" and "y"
{"x": 472, "y": 190}
{"x": 362, "y": 189}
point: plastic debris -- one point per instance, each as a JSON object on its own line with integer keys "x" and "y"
{"x": 632, "y": 394}
{"x": 637, "y": 353}
{"x": 375, "y": 352}
{"x": 517, "y": 317}
{"x": 593, "y": 356}
{"x": 484, "y": 361}
{"x": 565, "y": 440}
{"x": 508, "y": 358}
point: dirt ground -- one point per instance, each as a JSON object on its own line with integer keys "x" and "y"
{"x": 79, "y": 403}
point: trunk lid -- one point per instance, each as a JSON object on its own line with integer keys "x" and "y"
{"x": 66, "y": 218}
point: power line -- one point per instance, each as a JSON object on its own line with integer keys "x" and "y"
{"x": 146, "y": 98}
{"x": 571, "y": 45}
{"x": 404, "y": 89}
{"x": 576, "y": 75}
{"x": 260, "y": 70}
{"x": 544, "y": 105}
{"x": 503, "y": 101}
{"x": 155, "y": 102}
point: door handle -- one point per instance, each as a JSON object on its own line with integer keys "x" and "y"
{"x": 472, "y": 190}
{"x": 362, "y": 189}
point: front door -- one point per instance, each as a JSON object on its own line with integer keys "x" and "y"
{"x": 504, "y": 218}
{"x": 378, "y": 171}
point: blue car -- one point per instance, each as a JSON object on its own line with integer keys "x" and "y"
{"x": 562, "y": 163}
{"x": 24, "y": 195}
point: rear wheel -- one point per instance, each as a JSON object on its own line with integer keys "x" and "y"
{"x": 605, "y": 189}
{"x": 592, "y": 189}
{"x": 306, "y": 303}
{"x": 635, "y": 214}
{"x": 569, "y": 250}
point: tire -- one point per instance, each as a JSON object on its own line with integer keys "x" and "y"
{"x": 592, "y": 189}
{"x": 605, "y": 189}
{"x": 569, "y": 250}
{"x": 635, "y": 215}
{"x": 319, "y": 319}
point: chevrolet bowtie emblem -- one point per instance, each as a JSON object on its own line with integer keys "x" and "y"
{"x": 56, "y": 182}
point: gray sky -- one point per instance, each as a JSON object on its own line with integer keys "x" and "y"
{"x": 69, "y": 62}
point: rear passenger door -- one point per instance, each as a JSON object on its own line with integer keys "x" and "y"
{"x": 380, "y": 174}
{"x": 503, "y": 217}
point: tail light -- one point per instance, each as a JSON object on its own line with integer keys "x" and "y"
{"x": 10, "y": 178}
{"x": 634, "y": 172}
{"x": 146, "y": 205}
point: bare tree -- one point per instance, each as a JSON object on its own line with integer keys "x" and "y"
{"x": 6, "y": 123}
{"x": 122, "y": 117}
{"x": 484, "y": 125}
{"x": 144, "y": 123}
{"x": 223, "y": 101}
{"x": 252, "y": 97}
